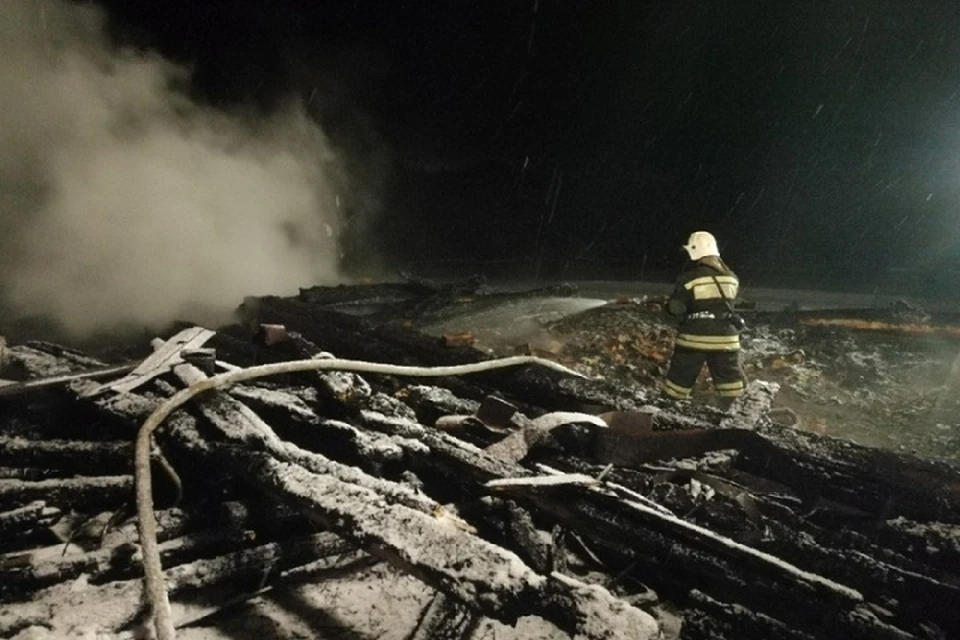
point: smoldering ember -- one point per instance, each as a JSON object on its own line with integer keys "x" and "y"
{"x": 417, "y": 460}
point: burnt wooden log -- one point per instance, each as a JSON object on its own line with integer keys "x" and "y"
{"x": 297, "y": 422}
{"x": 920, "y": 598}
{"x": 27, "y": 519}
{"x": 37, "y": 359}
{"x": 118, "y": 562}
{"x": 934, "y": 543}
{"x": 881, "y": 482}
{"x": 81, "y": 493}
{"x": 710, "y": 619}
{"x": 68, "y": 456}
{"x": 234, "y": 420}
{"x": 41, "y": 383}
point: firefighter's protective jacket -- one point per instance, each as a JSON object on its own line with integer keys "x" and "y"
{"x": 703, "y": 313}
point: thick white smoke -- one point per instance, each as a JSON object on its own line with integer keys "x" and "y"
{"x": 124, "y": 203}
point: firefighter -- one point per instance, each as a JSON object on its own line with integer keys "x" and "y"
{"x": 709, "y": 330}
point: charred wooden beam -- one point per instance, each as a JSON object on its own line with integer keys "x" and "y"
{"x": 932, "y": 543}
{"x": 445, "y": 557}
{"x": 82, "y": 493}
{"x": 39, "y": 384}
{"x": 68, "y": 456}
{"x": 235, "y": 421}
{"x": 780, "y": 591}
{"x": 118, "y": 562}
{"x": 919, "y": 598}
{"x": 885, "y": 483}
{"x": 26, "y": 519}
{"x": 295, "y": 421}
{"x": 710, "y": 619}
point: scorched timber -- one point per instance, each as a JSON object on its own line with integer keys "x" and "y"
{"x": 88, "y": 493}
{"x": 707, "y": 555}
{"x": 26, "y": 519}
{"x": 68, "y": 456}
{"x": 795, "y": 590}
{"x": 390, "y": 521}
{"x": 117, "y": 562}
{"x": 793, "y": 579}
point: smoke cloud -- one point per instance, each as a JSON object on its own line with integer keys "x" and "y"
{"x": 124, "y": 203}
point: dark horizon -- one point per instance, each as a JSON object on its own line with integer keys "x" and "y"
{"x": 818, "y": 141}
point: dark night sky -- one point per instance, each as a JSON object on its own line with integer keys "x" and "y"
{"x": 815, "y": 138}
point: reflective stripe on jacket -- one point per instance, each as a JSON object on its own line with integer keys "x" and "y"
{"x": 698, "y": 300}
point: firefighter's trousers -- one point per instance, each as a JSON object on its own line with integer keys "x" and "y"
{"x": 685, "y": 366}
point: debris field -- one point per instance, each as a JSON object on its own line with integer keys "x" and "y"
{"x": 359, "y": 462}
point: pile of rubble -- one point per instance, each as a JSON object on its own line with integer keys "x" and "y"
{"x": 513, "y": 496}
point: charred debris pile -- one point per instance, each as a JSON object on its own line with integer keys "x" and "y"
{"x": 516, "y": 490}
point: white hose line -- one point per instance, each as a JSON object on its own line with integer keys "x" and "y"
{"x": 155, "y": 588}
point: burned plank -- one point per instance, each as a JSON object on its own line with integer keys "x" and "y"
{"x": 26, "y": 519}
{"x": 885, "y": 483}
{"x": 83, "y": 493}
{"x": 39, "y": 384}
{"x": 168, "y": 355}
{"x": 117, "y": 562}
{"x": 445, "y": 557}
{"x": 932, "y": 543}
{"x": 920, "y": 597}
{"x": 68, "y": 456}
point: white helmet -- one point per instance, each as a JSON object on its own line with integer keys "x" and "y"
{"x": 701, "y": 244}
